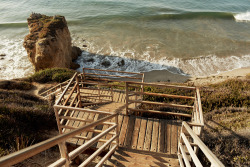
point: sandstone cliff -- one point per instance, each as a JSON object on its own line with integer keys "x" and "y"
{"x": 49, "y": 43}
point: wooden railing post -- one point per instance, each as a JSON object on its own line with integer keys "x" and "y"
{"x": 64, "y": 153}
{"x": 142, "y": 86}
{"x": 136, "y": 97}
{"x": 99, "y": 92}
{"x": 112, "y": 93}
{"x": 127, "y": 97}
{"x": 58, "y": 121}
{"x": 78, "y": 92}
{"x": 117, "y": 130}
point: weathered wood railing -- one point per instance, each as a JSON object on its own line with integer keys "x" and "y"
{"x": 189, "y": 142}
{"x": 134, "y": 88}
{"x": 108, "y": 77}
{"x": 55, "y": 89}
{"x": 70, "y": 104}
{"x": 67, "y": 157}
{"x": 105, "y": 82}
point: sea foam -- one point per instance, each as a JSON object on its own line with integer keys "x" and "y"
{"x": 200, "y": 66}
{"x": 242, "y": 16}
{"x": 15, "y": 63}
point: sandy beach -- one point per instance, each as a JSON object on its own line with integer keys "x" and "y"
{"x": 166, "y": 76}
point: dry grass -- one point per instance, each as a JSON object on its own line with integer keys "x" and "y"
{"x": 23, "y": 118}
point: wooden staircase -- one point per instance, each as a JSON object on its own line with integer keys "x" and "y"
{"x": 92, "y": 115}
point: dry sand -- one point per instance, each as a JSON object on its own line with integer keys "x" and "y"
{"x": 234, "y": 74}
{"x": 166, "y": 76}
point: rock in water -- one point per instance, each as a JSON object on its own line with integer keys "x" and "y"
{"x": 49, "y": 43}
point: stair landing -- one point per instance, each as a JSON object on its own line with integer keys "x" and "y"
{"x": 135, "y": 158}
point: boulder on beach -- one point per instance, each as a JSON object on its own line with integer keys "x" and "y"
{"x": 49, "y": 43}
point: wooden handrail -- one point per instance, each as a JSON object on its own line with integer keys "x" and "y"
{"x": 58, "y": 85}
{"x": 161, "y": 112}
{"x": 162, "y": 95}
{"x": 199, "y": 105}
{"x": 197, "y": 141}
{"x": 83, "y": 147}
{"x": 159, "y": 103}
{"x": 162, "y": 85}
{"x": 81, "y": 109}
{"x": 28, "y": 152}
{"x": 65, "y": 90}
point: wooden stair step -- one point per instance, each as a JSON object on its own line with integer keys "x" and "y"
{"x": 129, "y": 158}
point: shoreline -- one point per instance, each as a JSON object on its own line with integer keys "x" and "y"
{"x": 166, "y": 76}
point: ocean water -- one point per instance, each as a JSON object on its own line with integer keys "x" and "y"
{"x": 188, "y": 37}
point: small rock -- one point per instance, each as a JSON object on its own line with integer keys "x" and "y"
{"x": 84, "y": 46}
{"x": 2, "y": 55}
{"x": 74, "y": 66}
{"x": 1, "y": 58}
{"x": 76, "y": 52}
{"x": 121, "y": 63}
{"x": 106, "y": 63}
{"x": 91, "y": 60}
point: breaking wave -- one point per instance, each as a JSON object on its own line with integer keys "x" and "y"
{"x": 243, "y": 16}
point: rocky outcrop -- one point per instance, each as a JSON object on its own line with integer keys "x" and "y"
{"x": 49, "y": 43}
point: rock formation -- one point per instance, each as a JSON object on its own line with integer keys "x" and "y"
{"x": 49, "y": 43}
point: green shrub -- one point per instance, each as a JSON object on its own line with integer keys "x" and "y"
{"x": 60, "y": 77}
{"x": 52, "y": 74}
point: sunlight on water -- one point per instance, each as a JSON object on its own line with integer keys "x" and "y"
{"x": 187, "y": 37}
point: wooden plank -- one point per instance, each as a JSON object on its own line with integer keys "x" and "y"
{"x": 136, "y": 133}
{"x": 168, "y": 136}
{"x": 162, "y": 85}
{"x": 115, "y": 96}
{"x": 142, "y": 134}
{"x": 161, "y": 104}
{"x": 163, "y": 95}
{"x": 161, "y": 139}
{"x": 83, "y": 115}
{"x": 178, "y": 132}
{"x": 123, "y": 130}
{"x": 72, "y": 122}
{"x": 119, "y": 96}
{"x": 174, "y": 138}
{"x": 77, "y": 124}
{"x": 148, "y": 136}
{"x": 161, "y": 112}
{"x": 155, "y": 135}
{"x": 95, "y": 117}
{"x": 130, "y": 130}
{"x": 120, "y": 120}
{"x": 108, "y": 136}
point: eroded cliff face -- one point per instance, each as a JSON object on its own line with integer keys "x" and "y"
{"x": 49, "y": 43}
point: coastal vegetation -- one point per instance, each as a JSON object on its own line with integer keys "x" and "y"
{"x": 23, "y": 118}
{"x": 51, "y": 75}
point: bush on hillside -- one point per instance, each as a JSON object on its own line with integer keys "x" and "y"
{"x": 52, "y": 75}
